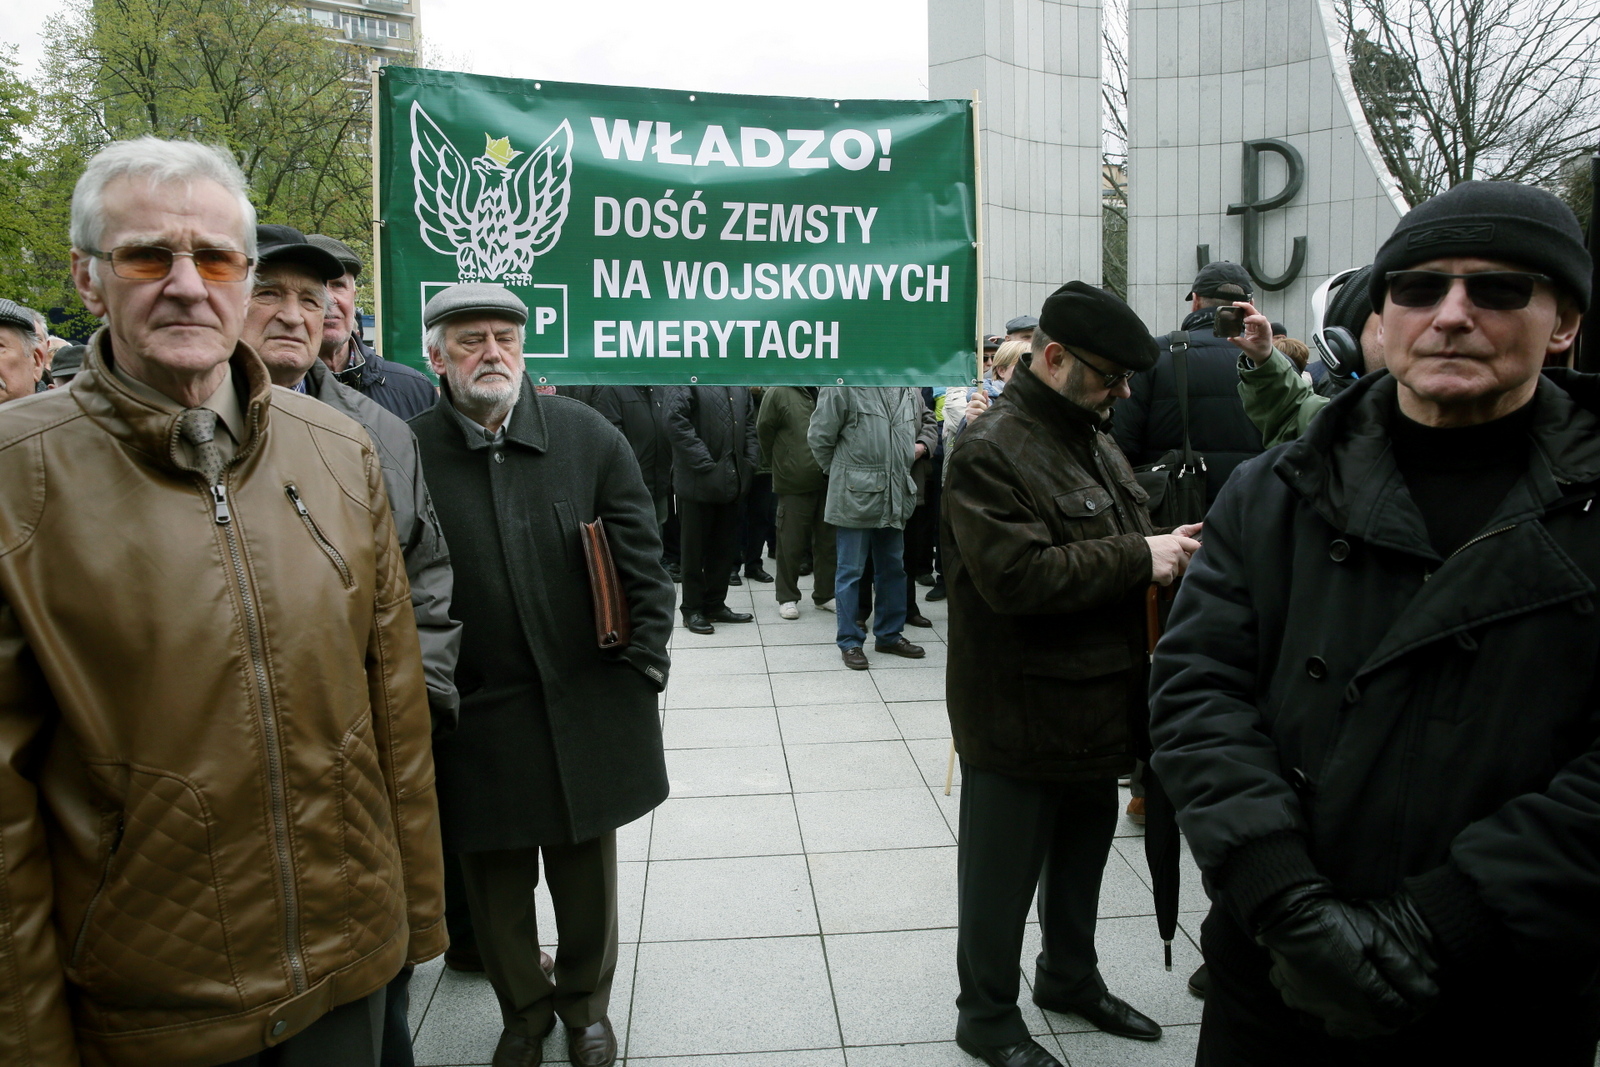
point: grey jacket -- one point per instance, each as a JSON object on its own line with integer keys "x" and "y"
{"x": 422, "y": 542}
{"x": 866, "y": 439}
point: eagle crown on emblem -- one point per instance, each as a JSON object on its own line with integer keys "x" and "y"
{"x": 495, "y": 220}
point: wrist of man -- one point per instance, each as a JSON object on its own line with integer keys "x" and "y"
{"x": 1262, "y": 869}
{"x": 1465, "y": 931}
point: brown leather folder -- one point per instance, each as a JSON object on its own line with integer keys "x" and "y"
{"x": 612, "y": 626}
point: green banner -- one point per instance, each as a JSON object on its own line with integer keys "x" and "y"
{"x": 662, "y": 237}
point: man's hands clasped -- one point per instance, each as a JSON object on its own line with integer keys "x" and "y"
{"x": 1170, "y": 553}
{"x": 1364, "y": 969}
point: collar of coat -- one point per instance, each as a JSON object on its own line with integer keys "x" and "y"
{"x": 151, "y": 430}
{"x": 1344, "y": 467}
{"x": 526, "y": 426}
{"x": 1048, "y": 406}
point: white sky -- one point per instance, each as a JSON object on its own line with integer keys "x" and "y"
{"x": 832, "y": 48}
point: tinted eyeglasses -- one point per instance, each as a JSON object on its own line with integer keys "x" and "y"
{"x": 1492, "y": 290}
{"x": 149, "y": 263}
{"x": 1111, "y": 380}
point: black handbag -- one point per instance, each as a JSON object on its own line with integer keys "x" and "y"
{"x": 1177, "y": 481}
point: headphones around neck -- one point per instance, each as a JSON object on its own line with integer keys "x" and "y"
{"x": 1340, "y": 349}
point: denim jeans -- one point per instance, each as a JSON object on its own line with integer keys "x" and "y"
{"x": 887, "y": 547}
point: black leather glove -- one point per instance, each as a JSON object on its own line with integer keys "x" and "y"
{"x": 1364, "y": 969}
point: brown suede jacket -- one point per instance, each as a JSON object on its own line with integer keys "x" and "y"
{"x": 1047, "y": 566}
{"x": 217, "y": 817}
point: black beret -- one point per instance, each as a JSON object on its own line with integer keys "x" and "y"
{"x": 1080, "y": 315}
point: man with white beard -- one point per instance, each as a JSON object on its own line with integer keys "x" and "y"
{"x": 559, "y": 742}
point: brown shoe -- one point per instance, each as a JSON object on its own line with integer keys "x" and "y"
{"x": 902, "y": 647}
{"x": 515, "y": 1050}
{"x": 466, "y": 959}
{"x": 1136, "y": 810}
{"x": 592, "y": 1046}
{"x": 855, "y": 659}
{"x": 547, "y": 965}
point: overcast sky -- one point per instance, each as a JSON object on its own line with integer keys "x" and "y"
{"x": 843, "y": 48}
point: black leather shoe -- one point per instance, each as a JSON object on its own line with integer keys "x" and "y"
{"x": 465, "y": 958}
{"x": 918, "y": 620}
{"x": 515, "y": 1050}
{"x": 675, "y": 572}
{"x": 901, "y": 647}
{"x": 924, "y": 579}
{"x": 758, "y": 575}
{"x": 806, "y": 568}
{"x": 1109, "y": 1013}
{"x": 696, "y": 623}
{"x": 937, "y": 592}
{"x": 592, "y": 1046}
{"x": 734, "y": 579}
{"x": 855, "y": 659}
{"x": 725, "y": 615}
{"x": 1028, "y": 1053}
{"x": 1200, "y": 981}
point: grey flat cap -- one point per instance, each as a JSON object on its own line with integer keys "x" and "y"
{"x": 1021, "y": 322}
{"x": 338, "y": 250}
{"x": 474, "y": 298}
{"x": 67, "y": 362}
{"x": 14, "y": 314}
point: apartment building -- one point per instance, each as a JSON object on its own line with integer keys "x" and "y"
{"x": 390, "y": 27}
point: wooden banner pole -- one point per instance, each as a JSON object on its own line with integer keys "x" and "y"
{"x": 977, "y": 197}
{"x": 374, "y": 70}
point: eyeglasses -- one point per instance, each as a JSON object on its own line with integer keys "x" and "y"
{"x": 1111, "y": 380}
{"x": 150, "y": 263}
{"x": 1492, "y": 290}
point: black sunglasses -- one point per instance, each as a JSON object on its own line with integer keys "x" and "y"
{"x": 1492, "y": 290}
{"x": 1111, "y": 380}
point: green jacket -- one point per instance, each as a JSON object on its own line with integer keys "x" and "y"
{"x": 781, "y": 428}
{"x": 865, "y": 437}
{"x": 1277, "y": 399}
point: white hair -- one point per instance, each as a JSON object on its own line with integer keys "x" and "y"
{"x": 160, "y": 162}
{"x": 433, "y": 339}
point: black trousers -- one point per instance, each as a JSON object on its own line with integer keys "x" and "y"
{"x": 710, "y": 550}
{"x": 397, "y": 1021}
{"x": 350, "y": 1035}
{"x": 1511, "y": 1014}
{"x": 922, "y": 534}
{"x": 1018, "y": 835}
{"x": 758, "y": 527}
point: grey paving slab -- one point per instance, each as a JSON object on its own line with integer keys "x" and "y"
{"x": 1094, "y": 1049}
{"x": 720, "y": 691}
{"x": 1130, "y": 962}
{"x": 719, "y": 727}
{"x": 825, "y": 1057}
{"x": 699, "y": 662}
{"x": 713, "y": 772}
{"x": 896, "y": 889}
{"x": 633, "y": 840}
{"x": 926, "y": 1054}
{"x": 838, "y": 686}
{"x": 852, "y": 765}
{"x": 727, "y": 635}
{"x": 1191, "y": 891}
{"x": 709, "y": 827}
{"x": 755, "y": 995}
{"x": 859, "y": 820}
{"x": 809, "y": 724}
{"x": 915, "y": 682}
{"x": 813, "y": 627}
{"x": 932, "y": 755}
{"x": 812, "y": 656}
{"x": 900, "y": 987}
{"x": 934, "y": 654}
{"x": 424, "y": 980}
{"x": 748, "y": 896}
{"x": 921, "y": 718}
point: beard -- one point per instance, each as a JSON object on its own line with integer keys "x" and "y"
{"x": 1091, "y": 399}
{"x": 484, "y": 392}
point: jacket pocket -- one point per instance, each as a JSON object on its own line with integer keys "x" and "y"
{"x": 1090, "y": 512}
{"x": 1076, "y": 701}
{"x": 374, "y": 898}
{"x": 571, "y": 538}
{"x": 334, "y": 555}
{"x": 866, "y": 481}
{"x": 154, "y": 937}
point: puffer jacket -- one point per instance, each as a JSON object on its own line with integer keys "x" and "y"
{"x": 421, "y": 539}
{"x": 714, "y": 449}
{"x": 781, "y": 427}
{"x": 866, "y": 438}
{"x": 217, "y": 816}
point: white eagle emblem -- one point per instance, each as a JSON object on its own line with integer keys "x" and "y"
{"x": 493, "y": 219}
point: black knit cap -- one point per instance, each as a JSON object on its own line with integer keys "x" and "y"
{"x": 1491, "y": 220}
{"x": 1083, "y": 316}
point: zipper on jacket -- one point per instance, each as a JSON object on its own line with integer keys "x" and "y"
{"x": 275, "y": 774}
{"x": 219, "y": 501}
{"x": 100, "y": 890}
{"x": 1481, "y": 537}
{"x": 316, "y": 535}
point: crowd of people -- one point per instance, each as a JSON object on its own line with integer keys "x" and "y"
{"x": 313, "y": 670}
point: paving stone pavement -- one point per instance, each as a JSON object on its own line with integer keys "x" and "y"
{"x": 793, "y": 903}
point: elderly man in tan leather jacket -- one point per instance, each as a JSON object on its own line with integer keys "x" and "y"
{"x": 218, "y": 832}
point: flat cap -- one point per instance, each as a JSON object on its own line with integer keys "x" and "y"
{"x": 285, "y": 244}
{"x": 338, "y": 250}
{"x": 993, "y": 341}
{"x": 1222, "y": 280}
{"x": 1080, "y": 315}
{"x": 67, "y": 362}
{"x": 476, "y": 298}
{"x": 14, "y": 314}
{"x": 1021, "y": 322}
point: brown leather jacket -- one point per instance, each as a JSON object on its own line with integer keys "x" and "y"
{"x": 1046, "y": 564}
{"x": 217, "y": 817}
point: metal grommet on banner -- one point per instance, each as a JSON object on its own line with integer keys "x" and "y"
{"x": 838, "y": 381}
{"x": 693, "y": 379}
{"x": 538, "y": 85}
{"x": 544, "y": 381}
{"x": 691, "y": 98}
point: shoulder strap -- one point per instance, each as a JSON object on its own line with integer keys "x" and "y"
{"x": 1178, "y": 343}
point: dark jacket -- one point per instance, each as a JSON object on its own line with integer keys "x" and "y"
{"x": 422, "y": 542}
{"x": 559, "y": 741}
{"x": 640, "y": 412}
{"x": 1148, "y": 423}
{"x": 714, "y": 449}
{"x": 1046, "y": 564}
{"x": 396, "y": 387}
{"x": 781, "y": 428}
{"x": 1333, "y": 698}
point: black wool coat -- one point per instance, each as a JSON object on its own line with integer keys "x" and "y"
{"x": 1333, "y": 699}
{"x": 559, "y": 741}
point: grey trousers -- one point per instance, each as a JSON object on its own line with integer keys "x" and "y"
{"x": 350, "y": 1035}
{"x": 583, "y": 888}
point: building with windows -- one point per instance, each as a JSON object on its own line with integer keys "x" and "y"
{"x": 389, "y": 27}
